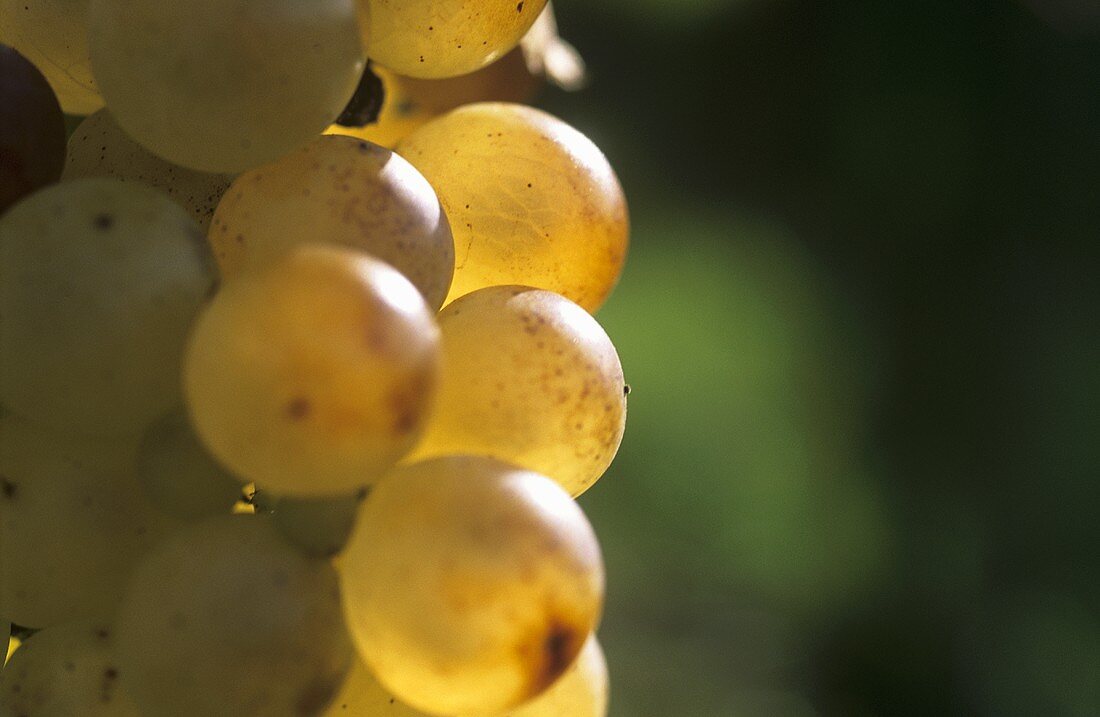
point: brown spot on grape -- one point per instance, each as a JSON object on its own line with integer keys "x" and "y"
{"x": 550, "y": 654}
{"x": 298, "y": 408}
{"x": 103, "y": 222}
{"x": 8, "y": 489}
{"x": 519, "y": 7}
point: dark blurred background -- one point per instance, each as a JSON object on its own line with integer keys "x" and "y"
{"x": 862, "y": 323}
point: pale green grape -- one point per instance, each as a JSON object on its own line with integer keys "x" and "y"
{"x": 225, "y": 85}
{"x": 313, "y": 375}
{"x": 581, "y": 692}
{"x": 73, "y": 522}
{"x": 362, "y": 696}
{"x": 67, "y": 670}
{"x": 531, "y": 201}
{"x": 53, "y": 34}
{"x": 224, "y": 619}
{"x": 99, "y": 283}
{"x": 338, "y": 190}
{"x": 179, "y": 475}
{"x": 529, "y": 378}
{"x": 320, "y": 526}
{"x": 443, "y": 38}
{"x": 470, "y": 585}
{"x": 99, "y": 148}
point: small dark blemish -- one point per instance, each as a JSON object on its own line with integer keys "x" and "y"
{"x": 103, "y": 222}
{"x": 298, "y": 408}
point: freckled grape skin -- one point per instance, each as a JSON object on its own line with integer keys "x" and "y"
{"x": 99, "y": 148}
{"x": 225, "y": 85}
{"x": 53, "y": 34}
{"x": 529, "y": 378}
{"x": 531, "y": 201}
{"x": 224, "y": 618}
{"x": 443, "y": 38}
{"x": 32, "y": 129}
{"x": 313, "y": 375}
{"x": 99, "y": 283}
{"x": 338, "y": 190}
{"x": 66, "y": 670}
{"x": 470, "y": 586}
{"x": 73, "y": 522}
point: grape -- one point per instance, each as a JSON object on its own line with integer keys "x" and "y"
{"x": 529, "y": 378}
{"x": 99, "y": 148}
{"x": 66, "y": 671}
{"x": 73, "y": 521}
{"x": 32, "y": 129}
{"x": 99, "y": 281}
{"x": 224, "y": 618}
{"x": 320, "y": 526}
{"x": 343, "y": 191}
{"x": 581, "y": 691}
{"x": 225, "y": 85}
{"x": 531, "y": 201}
{"x": 313, "y": 375}
{"x": 53, "y": 34}
{"x": 362, "y": 696}
{"x": 470, "y": 586}
{"x": 179, "y": 476}
{"x": 443, "y": 38}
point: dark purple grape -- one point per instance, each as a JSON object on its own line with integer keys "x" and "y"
{"x": 32, "y": 129}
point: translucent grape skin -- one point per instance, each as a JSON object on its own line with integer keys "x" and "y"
{"x": 319, "y": 526}
{"x": 225, "y": 85}
{"x": 178, "y": 474}
{"x": 32, "y": 129}
{"x": 313, "y": 375}
{"x": 529, "y": 378}
{"x": 581, "y": 692}
{"x": 531, "y": 201}
{"x": 66, "y": 670}
{"x": 53, "y": 34}
{"x": 344, "y": 191}
{"x": 224, "y": 618}
{"x": 443, "y": 38}
{"x": 99, "y": 283}
{"x": 73, "y": 522}
{"x": 99, "y": 148}
{"x": 485, "y": 609}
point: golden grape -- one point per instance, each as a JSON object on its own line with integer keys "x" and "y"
{"x": 313, "y": 375}
{"x": 338, "y": 190}
{"x": 99, "y": 148}
{"x": 529, "y": 378}
{"x": 531, "y": 201}
{"x": 443, "y": 38}
{"x": 470, "y": 585}
{"x": 362, "y": 696}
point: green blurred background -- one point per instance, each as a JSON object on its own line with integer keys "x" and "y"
{"x": 861, "y": 319}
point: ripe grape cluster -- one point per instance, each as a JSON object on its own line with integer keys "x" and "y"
{"x": 292, "y": 414}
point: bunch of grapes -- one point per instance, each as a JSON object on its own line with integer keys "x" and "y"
{"x": 292, "y": 422}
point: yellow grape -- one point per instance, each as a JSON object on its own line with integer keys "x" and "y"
{"x": 581, "y": 692}
{"x": 411, "y": 102}
{"x": 443, "y": 38}
{"x": 529, "y": 378}
{"x": 362, "y": 696}
{"x": 67, "y": 670}
{"x": 531, "y": 201}
{"x": 313, "y": 375}
{"x": 99, "y": 148}
{"x": 225, "y": 85}
{"x": 53, "y": 34}
{"x": 73, "y": 522}
{"x": 338, "y": 190}
{"x": 224, "y": 618}
{"x": 470, "y": 585}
